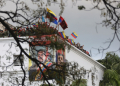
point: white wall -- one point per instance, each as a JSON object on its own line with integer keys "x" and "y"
{"x": 87, "y": 62}
{"x": 73, "y": 55}
{"x": 8, "y": 49}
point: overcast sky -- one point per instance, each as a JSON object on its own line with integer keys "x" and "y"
{"x": 84, "y": 23}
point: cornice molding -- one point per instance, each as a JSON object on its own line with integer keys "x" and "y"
{"x": 85, "y": 56}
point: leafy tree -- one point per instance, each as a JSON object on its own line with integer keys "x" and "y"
{"x": 111, "y": 74}
{"x": 79, "y": 82}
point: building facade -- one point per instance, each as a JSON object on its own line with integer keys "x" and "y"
{"x": 9, "y": 70}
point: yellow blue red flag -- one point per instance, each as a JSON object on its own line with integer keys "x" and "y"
{"x": 48, "y": 10}
{"x": 74, "y": 34}
{"x": 52, "y": 14}
{"x": 71, "y": 41}
{"x": 62, "y": 34}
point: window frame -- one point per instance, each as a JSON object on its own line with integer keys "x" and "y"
{"x": 17, "y": 62}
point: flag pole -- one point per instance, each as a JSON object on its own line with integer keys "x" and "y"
{"x": 69, "y": 35}
{"x": 38, "y": 19}
{"x": 58, "y": 26}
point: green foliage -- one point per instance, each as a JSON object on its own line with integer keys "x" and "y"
{"x": 111, "y": 75}
{"x": 79, "y": 82}
{"x": 110, "y": 60}
{"x": 81, "y": 7}
{"x": 58, "y": 76}
{"x": 3, "y": 34}
{"x": 42, "y": 29}
{"x": 110, "y": 78}
{"x": 117, "y": 68}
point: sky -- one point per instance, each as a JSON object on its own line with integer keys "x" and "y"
{"x": 84, "y": 23}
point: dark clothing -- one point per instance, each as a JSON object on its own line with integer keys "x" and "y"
{"x": 33, "y": 72}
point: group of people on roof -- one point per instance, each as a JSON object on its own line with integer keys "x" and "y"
{"x": 81, "y": 48}
{"x": 77, "y": 45}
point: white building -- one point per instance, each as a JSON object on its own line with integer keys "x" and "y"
{"x": 9, "y": 51}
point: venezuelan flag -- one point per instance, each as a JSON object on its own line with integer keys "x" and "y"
{"x": 48, "y": 10}
{"x": 62, "y": 34}
{"x": 48, "y": 64}
{"x": 71, "y": 41}
{"x": 74, "y": 34}
{"x": 53, "y": 16}
{"x": 36, "y": 25}
{"x": 55, "y": 21}
{"x": 20, "y": 29}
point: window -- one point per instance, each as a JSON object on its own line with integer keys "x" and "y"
{"x": 17, "y": 61}
{"x": 0, "y": 75}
